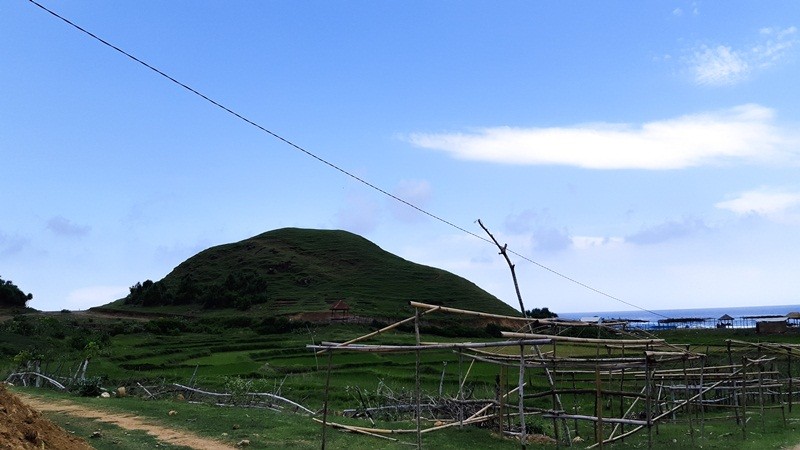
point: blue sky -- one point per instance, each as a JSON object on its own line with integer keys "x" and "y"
{"x": 649, "y": 150}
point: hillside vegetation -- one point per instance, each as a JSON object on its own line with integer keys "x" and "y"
{"x": 291, "y": 270}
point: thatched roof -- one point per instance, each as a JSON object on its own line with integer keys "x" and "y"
{"x": 793, "y": 315}
{"x": 725, "y": 317}
{"x": 340, "y": 306}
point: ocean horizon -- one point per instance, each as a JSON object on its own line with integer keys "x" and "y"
{"x": 654, "y": 315}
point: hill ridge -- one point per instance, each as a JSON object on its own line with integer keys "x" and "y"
{"x": 296, "y": 270}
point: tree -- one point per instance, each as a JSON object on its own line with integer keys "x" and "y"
{"x": 540, "y": 313}
{"x": 11, "y": 296}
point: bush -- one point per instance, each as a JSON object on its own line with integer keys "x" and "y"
{"x": 88, "y": 387}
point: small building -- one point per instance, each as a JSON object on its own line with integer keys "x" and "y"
{"x": 340, "y": 311}
{"x": 725, "y": 321}
{"x": 771, "y": 325}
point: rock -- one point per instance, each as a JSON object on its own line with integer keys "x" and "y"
{"x": 438, "y": 423}
{"x": 121, "y": 391}
{"x": 577, "y": 440}
{"x": 243, "y": 443}
{"x": 96, "y": 435}
{"x": 105, "y": 395}
{"x": 236, "y": 426}
{"x": 180, "y": 397}
{"x": 541, "y": 439}
{"x": 172, "y": 412}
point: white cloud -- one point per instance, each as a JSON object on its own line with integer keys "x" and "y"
{"x": 743, "y": 133}
{"x": 773, "y": 49}
{"x": 719, "y": 66}
{"x": 762, "y": 202}
{"x": 722, "y": 65}
{"x": 90, "y": 296}
{"x": 588, "y": 242}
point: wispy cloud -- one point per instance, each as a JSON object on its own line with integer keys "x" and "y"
{"x": 667, "y": 231}
{"x": 360, "y": 214}
{"x": 741, "y": 134}
{"x": 64, "y": 227}
{"x": 544, "y": 235}
{"x": 763, "y": 202}
{"x": 12, "y": 245}
{"x": 721, "y": 65}
{"x": 416, "y": 192}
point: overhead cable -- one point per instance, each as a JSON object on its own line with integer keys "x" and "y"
{"x": 320, "y": 159}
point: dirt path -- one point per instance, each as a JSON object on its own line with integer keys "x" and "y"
{"x": 129, "y": 422}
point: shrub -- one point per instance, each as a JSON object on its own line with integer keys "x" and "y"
{"x": 88, "y": 387}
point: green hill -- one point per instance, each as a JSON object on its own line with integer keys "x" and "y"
{"x": 291, "y": 270}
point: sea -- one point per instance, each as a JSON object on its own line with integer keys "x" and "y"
{"x": 743, "y": 316}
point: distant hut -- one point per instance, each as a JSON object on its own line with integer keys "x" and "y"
{"x": 725, "y": 321}
{"x": 340, "y": 311}
{"x": 771, "y": 325}
{"x": 794, "y": 318}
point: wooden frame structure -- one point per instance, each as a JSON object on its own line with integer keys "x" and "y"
{"x": 632, "y": 380}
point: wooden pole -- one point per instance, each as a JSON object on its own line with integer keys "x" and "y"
{"x": 648, "y": 403}
{"x": 733, "y": 370}
{"x": 416, "y": 377}
{"x": 598, "y": 408}
{"x": 384, "y": 329}
{"x": 325, "y": 405}
{"x": 791, "y": 389}
{"x": 744, "y": 398}
{"x": 688, "y": 405}
{"x": 523, "y": 438}
{"x": 460, "y": 390}
{"x": 702, "y": 403}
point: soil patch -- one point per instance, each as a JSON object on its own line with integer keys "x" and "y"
{"x": 22, "y": 427}
{"x": 126, "y": 421}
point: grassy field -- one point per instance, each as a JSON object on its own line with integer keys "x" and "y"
{"x": 157, "y": 354}
{"x": 266, "y": 429}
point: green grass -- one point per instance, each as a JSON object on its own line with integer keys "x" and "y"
{"x": 267, "y": 429}
{"x": 273, "y": 361}
{"x": 263, "y": 428}
{"x": 299, "y": 270}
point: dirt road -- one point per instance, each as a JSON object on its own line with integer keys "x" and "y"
{"x": 129, "y": 422}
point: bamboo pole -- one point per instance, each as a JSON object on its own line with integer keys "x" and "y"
{"x": 331, "y": 346}
{"x": 594, "y": 341}
{"x": 384, "y": 329}
{"x": 355, "y": 430}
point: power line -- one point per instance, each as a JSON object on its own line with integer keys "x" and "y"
{"x": 320, "y": 159}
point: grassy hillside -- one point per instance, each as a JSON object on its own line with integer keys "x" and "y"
{"x": 293, "y": 270}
